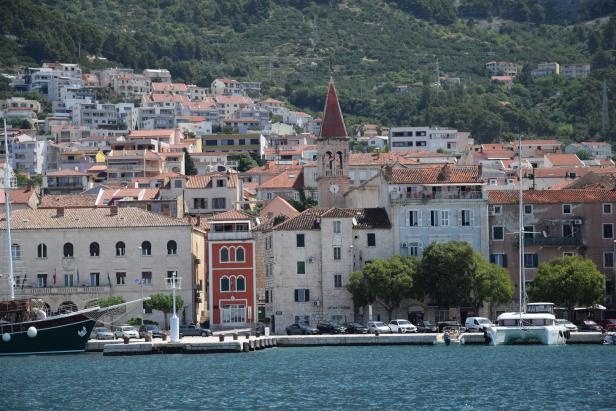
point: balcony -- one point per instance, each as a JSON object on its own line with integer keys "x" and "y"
{"x": 443, "y": 195}
{"x": 553, "y": 241}
{"x": 42, "y": 291}
{"x": 230, "y": 235}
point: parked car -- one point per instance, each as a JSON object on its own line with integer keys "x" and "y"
{"x": 379, "y": 326}
{"x": 609, "y": 324}
{"x": 477, "y": 324}
{"x": 102, "y": 333}
{"x": 126, "y": 331}
{"x": 450, "y": 325}
{"x": 426, "y": 326}
{"x": 151, "y": 329}
{"x": 402, "y": 326}
{"x": 300, "y": 329}
{"x": 589, "y": 325}
{"x": 356, "y": 328}
{"x": 330, "y": 327}
{"x": 568, "y": 324}
{"x": 194, "y": 330}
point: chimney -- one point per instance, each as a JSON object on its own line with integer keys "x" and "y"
{"x": 60, "y": 212}
{"x": 114, "y": 210}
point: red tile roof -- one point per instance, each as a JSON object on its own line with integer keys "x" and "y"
{"x": 552, "y": 196}
{"x": 559, "y": 159}
{"x": 447, "y": 174}
{"x": 69, "y": 201}
{"x": 287, "y": 179}
{"x": 231, "y": 215}
{"x": 357, "y": 159}
{"x": 310, "y": 219}
{"x": 333, "y": 122}
{"x": 205, "y": 181}
{"x": 18, "y": 195}
{"x": 62, "y": 173}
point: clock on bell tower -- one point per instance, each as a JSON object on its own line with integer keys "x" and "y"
{"x": 332, "y": 154}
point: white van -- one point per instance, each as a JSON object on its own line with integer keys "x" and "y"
{"x": 477, "y": 324}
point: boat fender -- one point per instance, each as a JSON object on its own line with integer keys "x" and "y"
{"x": 486, "y": 337}
{"x": 567, "y": 334}
{"x": 32, "y": 331}
{"x": 447, "y": 338}
{"x": 6, "y": 337}
{"x": 560, "y": 333}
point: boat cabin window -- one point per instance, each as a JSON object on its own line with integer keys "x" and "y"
{"x": 540, "y": 308}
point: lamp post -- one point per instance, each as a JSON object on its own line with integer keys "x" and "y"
{"x": 141, "y": 281}
{"x": 174, "y": 282}
{"x": 614, "y": 282}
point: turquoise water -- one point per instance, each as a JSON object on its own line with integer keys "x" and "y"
{"x": 396, "y": 377}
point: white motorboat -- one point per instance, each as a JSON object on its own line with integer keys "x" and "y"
{"x": 536, "y": 325}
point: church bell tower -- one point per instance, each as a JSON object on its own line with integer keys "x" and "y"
{"x": 332, "y": 154}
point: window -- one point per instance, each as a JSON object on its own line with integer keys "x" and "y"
{"x": 267, "y": 296}
{"x": 337, "y": 253}
{"x": 568, "y": 254}
{"x": 531, "y": 260}
{"x": 414, "y": 249}
{"x": 302, "y": 295}
{"x": 566, "y": 208}
{"x": 607, "y": 208}
{"x": 177, "y": 183}
{"x": 413, "y": 220}
{"x": 608, "y": 230}
{"x": 608, "y": 259}
{"x": 16, "y": 251}
{"x": 299, "y": 240}
{"x": 172, "y": 247}
{"x": 95, "y": 250}
{"x": 233, "y": 313}
{"x": 337, "y": 280}
{"x": 337, "y": 225}
{"x": 301, "y": 267}
{"x": 68, "y": 280}
{"x": 567, "y": 230}
{"x": 120, "y": 249}
{"x": 528, "y": 208}
{"x": 94, "y": 279}
{"x": 224, "y": 255}
{"x": 240, "y": 283}
{"x": 529, "y": 231}
{"x": 444, "y": 217}
{"x": 220, "y": 183}
{"x": 121, "y": 278}
{"x": 219, "y": 203}
{"x": 498, "y": 233}
{"x": 146, "y": 278}
{"x": 68, "y": 250}
{"x": 146, "y": 249}
{"x": 200, "y": 203}
{"x": 499, "y": 259}
{"x": 371, "y": 240}
{"x": 41, "y": 280}
{"x": 225, "y": 284}
{"x": 239, "y": 254}
{"x": 41, "y": 251}
{"x": 465, "y": 218}
{"x": 497, "y": 209}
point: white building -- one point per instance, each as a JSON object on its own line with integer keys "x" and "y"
{"x": 546, "y": 69}
{"x": 428, "y": 139}
{"x": 504, "y": 68}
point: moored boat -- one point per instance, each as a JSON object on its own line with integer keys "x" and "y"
{"x": 536, "y": 325}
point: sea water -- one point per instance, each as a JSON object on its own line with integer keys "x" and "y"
{"x": 345, "y": 378}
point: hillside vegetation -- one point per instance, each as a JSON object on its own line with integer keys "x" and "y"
{"x": 368, "y": 46}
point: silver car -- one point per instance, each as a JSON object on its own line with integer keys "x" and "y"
{"x": 126, "y": 331}
{"x": 568, "y": 324}
{"x": 379, "y": 326}
{"x": 102, "y": 333}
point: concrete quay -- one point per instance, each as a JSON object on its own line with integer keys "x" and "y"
{"x": 187, "y": 345}
{"x": 355, "y": 339}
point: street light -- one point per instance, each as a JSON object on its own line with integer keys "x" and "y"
{"x": 141, "y": 282}
{"x": 174, "y": 282}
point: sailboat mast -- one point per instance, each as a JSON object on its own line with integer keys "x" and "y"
{"x": 7, "y": 213}
{"x": 520, "y": 226}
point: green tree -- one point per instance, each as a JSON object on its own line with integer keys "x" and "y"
{"x": 386, "y": 282}
{"x": 583, "y": 155}
{"x": 489, "y": 283}
{"x": 568, "y": 282}
{"x": 189, "y": 164}
{"x": 25, "y": 181}
{"x": 244, "y": 162}
{"x": 164, "y": 303}
{"x": 107, "y": 302}
{"x": 304, "y": 202}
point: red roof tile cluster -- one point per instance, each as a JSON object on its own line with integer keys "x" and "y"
{"x": 205, "y": 180}
{"x": 310, "y": 219}
{"x": 231, "y": 215}
{"x": 287, "y": 179}
{"x": 68, "y": 201}
{"x": 357, "y": 159}
{"x": 559, "y": 159}
{"x": 446, "y": 174}
{"x": 333, "y": 123}
{"x": 18, "y": 195}
{"x": 552, "y": 196}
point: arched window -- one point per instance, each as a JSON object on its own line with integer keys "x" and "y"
{"x": 240, "y": 283}
{"x": 224, "y": 255}
{"x": 68, "y": 250}
{"x": 172, "y": 247}
{"x": 16, "y": 251}
{"x": 224, "y": 284}
{"x": 95, "y": 250}
{"x": 339, "y": 154}
{"x": 120, "y": 249}
{"x": 239, "y": 254}
{"x": 41, "y": 251}
{"x": 146, "y": 248}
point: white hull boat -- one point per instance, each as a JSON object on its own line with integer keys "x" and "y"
{"x": 535, "y": 326}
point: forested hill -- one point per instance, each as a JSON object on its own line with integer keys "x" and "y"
{"x": 369, "y": 46}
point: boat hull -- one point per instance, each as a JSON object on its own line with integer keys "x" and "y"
{"x": 55, "y": 335}
{"x": 546, "y": 335}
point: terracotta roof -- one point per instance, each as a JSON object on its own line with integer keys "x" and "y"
{"x": 282, "y": 207}
{"x": 107, "y": 196}
{"x": 68, "y": 201}
{"x": 240, "y": 100}
{"x": 287, "y": 179}
{"x": 537, "y": 142}
{"x": 18, "y": 195}
{"x": 447, "y": 174}
{"x": 171, "y": 87}
{"x": 271, "y": 167}
{"x": 139, "y": 154}
{"x": 555, "y": 172}
{"x": 366, "y": 218}
{"x": 498, "y": 154}
{"x": 552, "y": 196}
{"x": 205, "y": 181}
{"x": 358, "y": 159}
{"x": 98, "y": 167}
{"x": 333, "y": 122}
{"x": 152, "y": 133}
{"x": 559, "y": 159}
{"x": 167, "y": 98}
{"x": 62, "y": 173}
{"x": 231, "y": 215}
{"x": 82, "y": 218}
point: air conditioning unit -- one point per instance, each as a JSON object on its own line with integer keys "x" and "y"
{"x": 577, "y": 221}
{"x": 404, "y": 245}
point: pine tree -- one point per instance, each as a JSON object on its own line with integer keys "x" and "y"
{"x": 189, "y": 165}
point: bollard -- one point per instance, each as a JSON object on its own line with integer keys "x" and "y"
{"x": 221, "y": 337}
{"x": 376, "y": 333}
{"x": 164, "y": 337}
{"x": 248, "y": 336}
{"x": 245, "y": 346}
{"x": 148, "y": 337}
{"x": 257, "y": 334}
{"x": 235, "y": 336}
{"x": 126, "y": 340}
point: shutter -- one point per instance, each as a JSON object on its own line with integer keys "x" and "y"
{"x": 408, "y": 218}
{"x": 296, "y": 295}
{"x": 471, "y": 216}
{"x": 505, "y": 260}
{"x": 492, "y": 258}
{"x": 306, "y": 295}
{"x": 460, "y": 217}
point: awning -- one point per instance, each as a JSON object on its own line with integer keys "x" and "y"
{"x": 593, "y": 307}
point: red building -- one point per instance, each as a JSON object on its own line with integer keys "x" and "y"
{"x": 231, "y": 270}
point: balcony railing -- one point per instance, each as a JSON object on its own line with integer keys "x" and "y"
{"x": 554, "y": 241}
{"x": 34, "y": 291}
{"x": 444, "y": 195}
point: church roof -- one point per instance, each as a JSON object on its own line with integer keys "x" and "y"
{"x": 333, "y": 123}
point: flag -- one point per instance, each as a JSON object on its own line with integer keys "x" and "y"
{"x": 54, "y": 276}
{"x": 108, "y": 279}
{"x": 24, "y": 281}
{"x": 78, "y": 276}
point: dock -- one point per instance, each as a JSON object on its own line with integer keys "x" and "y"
{"x": 355, "y": 339}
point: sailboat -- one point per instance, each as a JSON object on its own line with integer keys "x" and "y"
{"x": 535, "y": 322}
{"x": 25, "y": 325}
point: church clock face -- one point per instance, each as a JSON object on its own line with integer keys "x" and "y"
{"x": 333, "y": 188}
